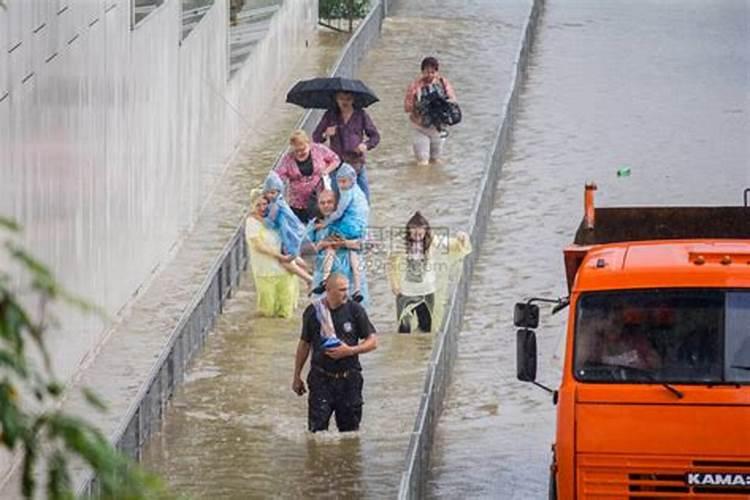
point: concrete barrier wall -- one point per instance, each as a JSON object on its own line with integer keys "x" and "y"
{"x": 112, "y": 138}
{"x": 445, "y": 349}
{"x": 147, "y": 410}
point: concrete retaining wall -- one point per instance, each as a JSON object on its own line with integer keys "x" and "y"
{"x": 112, "y": 137}
{"x": 445, "y": 349}
{"x": 146, "y": 413}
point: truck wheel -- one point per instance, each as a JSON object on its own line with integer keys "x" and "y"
{"x": 552, "y": 485}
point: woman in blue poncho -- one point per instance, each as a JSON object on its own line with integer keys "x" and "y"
{"x": 321, "y": 242}
{"x": 348, "y": 222}
{"x": 280, "y": 218}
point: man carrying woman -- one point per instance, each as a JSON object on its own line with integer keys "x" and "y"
{"x": 319, "y": 237}
{"x": 351, "y": 133}
{"x": 348, "y": 222}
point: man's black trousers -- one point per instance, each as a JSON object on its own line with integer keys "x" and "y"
{"x": 339, "y": 394}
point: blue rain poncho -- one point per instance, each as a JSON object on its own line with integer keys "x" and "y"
{"x": 352, "y": 214}
{"x": 281, "y": 218}
{"x": 341, "y": 263}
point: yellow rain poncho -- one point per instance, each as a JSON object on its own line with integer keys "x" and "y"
{"x": 277, "y": 289}
{"x": 422, "y": 278}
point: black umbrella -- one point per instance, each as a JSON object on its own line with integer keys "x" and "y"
{"x": 319, "y": 93}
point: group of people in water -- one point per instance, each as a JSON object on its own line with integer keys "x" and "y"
{"x": 317, "y": 201}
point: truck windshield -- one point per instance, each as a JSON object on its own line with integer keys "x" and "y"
{"x": 664, "y": 336}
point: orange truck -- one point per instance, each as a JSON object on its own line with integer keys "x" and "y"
{"x": 654, "y": 400}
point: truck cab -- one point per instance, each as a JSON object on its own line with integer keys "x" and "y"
{"x": 654, "y": 400}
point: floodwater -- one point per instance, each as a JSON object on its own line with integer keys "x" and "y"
{"x": 660, "y": 87}
{"x": 235, "y": 429}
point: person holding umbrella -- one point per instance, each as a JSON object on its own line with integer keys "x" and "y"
{"x": 351, "y": 133}
{"x": 345, "y": 124}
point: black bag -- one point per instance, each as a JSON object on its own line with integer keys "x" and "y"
{"x": 436, "y": 111}
{"x": 453, "y": 115}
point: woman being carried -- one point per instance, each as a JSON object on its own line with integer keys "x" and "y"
{"x": 281, "y": 218}
{"x": 413, "y": 271}
{"x": 348, "y": 222}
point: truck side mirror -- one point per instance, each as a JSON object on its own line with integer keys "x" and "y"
{"x": 526, "y": 355}
{"x": 526, "y": 315}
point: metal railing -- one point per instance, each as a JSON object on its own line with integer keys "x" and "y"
{"x": 340, "y": 15}
{"x": 444, "y": 352}
{"x": 147, "y": 410}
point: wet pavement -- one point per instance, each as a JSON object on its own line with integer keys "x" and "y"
{"x": 659, "y": 87}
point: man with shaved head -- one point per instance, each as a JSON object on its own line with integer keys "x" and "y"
{"x": 335, "y": 376}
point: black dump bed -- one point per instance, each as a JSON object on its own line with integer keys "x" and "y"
{"x": 665, "y": 223}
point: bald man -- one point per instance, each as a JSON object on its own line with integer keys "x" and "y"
{"x": 335, "y": 376}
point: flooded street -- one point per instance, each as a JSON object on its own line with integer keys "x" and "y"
{"x": 660, "y": 87}
{"x": 235, "y": 429}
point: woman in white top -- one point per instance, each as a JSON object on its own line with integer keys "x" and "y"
{"x": 277, "y": 289}
{"x": 415, "y": 271}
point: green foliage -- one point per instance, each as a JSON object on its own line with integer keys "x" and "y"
{"x": 343, "y": 9}
{"x": 29, "y": 399}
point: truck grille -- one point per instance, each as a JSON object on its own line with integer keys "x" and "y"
{"x": 602, "y": 476}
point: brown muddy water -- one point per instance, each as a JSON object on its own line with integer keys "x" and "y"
{"x": 660, "y": 87}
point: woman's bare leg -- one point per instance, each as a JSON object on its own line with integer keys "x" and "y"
{"x": 356, "y": 276}
{"x": 302, "y": 264}
{"x": 330, "y": 256}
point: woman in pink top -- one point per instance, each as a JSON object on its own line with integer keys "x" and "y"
{"x": 428, "y": 141}
{"x": 303, "y": 168}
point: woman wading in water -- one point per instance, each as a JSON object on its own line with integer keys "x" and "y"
{"x": 277, "y": 288}
{"x": 414, "y": 271}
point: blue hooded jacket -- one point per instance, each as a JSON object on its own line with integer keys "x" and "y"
{"x": 352, "y": 214}
{"x": 282, "y": 219}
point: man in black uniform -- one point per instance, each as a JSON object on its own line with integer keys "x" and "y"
{"x": 335, "y": 377}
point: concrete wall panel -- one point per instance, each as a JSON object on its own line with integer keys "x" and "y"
{"x": 111, "y": 137}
